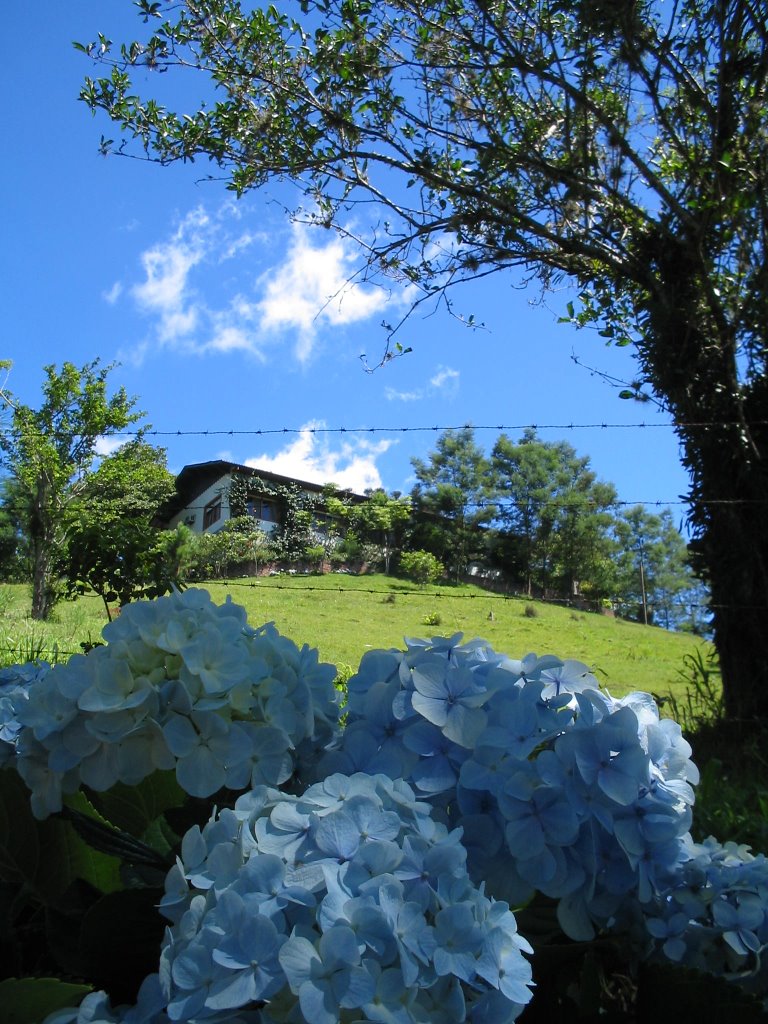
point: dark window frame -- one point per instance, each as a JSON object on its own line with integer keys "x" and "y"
{"x": 212, "y": 512}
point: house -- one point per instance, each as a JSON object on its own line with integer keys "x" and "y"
{"x": 204, "y": 491}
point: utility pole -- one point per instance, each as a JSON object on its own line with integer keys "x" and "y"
{"x": 642, "y": 587}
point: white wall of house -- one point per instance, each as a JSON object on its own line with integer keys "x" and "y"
{"x": 194, "y": 515}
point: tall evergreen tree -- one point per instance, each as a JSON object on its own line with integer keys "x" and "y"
{"x": 555, "y": 514}
{"x": 453, "y": 499}
{"x": 655, "y": 582}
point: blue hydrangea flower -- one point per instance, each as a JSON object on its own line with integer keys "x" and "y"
{"x": 362, "y": 887}
{"x": 181, "y": 683}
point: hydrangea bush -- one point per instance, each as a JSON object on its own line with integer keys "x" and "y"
{"x": 370, "y": 872}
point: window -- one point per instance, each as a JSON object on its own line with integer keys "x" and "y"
{"x": 264, "y": 509}
{"x": 212, "y": 512}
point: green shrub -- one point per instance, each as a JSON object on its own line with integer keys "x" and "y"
{"x": 421, "y": 566}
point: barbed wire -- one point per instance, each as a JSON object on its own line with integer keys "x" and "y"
{"x": 426, "y": 428}
{"x": 480, "y": 596}
{"x": 299, "y": 586}
{"x": 55, "y": 649}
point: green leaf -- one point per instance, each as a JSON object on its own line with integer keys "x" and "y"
{"x": 135, "y": 808}
{"x": 19, "y": 840}
{"x": 161, "y": 837}
{"x": 30, "y": 1000}
{"x": 67, "y": 857}
{"x": 46, "y": 855}
{"x": 105, "y": 838}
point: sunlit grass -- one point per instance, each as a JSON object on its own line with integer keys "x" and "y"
{"x": 343, "y": 616}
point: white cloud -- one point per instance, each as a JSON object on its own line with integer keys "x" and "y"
{"x": 446, "y": 379}
{"x": 309, "y": 457}
{"x": 240, "y": 244}
{"x": 312, "y": 288}
{"x": 199, "y": 288}
{"x": 108, "y": 445}
{"x": 165, "y": 290}
{"x": 392, "y": 395}
{"x": 113, "y": 294}
{"x": 444, "y": 382}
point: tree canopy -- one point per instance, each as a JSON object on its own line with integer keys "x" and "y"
{"x": 555, "y": 509}
{"x": 48, "y": 452}
{"x": 115, "y": 548}
{"x": 453, "y": 499}
{"x": 621, "y": 146}
{"x": 653, "y": 569}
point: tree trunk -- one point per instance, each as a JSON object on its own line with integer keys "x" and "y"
{"x": 732, "y": 549}
{"x": 41, "y": 545}
{"x": 692, "y": 357}
{"x": 41, "y": 603}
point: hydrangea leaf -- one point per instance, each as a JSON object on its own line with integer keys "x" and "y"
{"x": 49, "y": 855}
{"x": 30, "y": 1000}
{"x": 135, "y": 808}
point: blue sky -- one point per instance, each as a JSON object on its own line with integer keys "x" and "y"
{"x": 226, "y": 317}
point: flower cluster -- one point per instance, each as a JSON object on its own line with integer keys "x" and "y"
{"x": 180, "y": 684}
{"x": 349, "y": 897}
{"x": 713, "y": 915}
{"x": 559, "y": 788}
{"x": 347, "y": 903}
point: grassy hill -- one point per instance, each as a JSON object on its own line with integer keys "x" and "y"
{"x": 343, "y": 616}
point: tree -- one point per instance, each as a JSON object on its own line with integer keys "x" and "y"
{"x": 620, "y": 146}
{"x": 14, "y": 561}
{"x": 655, "y": 581}
{"x": 378, "y": 520}
{"x": 114, "y": 547}
{"x": 48, "y": 453}
{"x": 452, "y": 498}
{"x": 582, "y": 529}
{"x": 555, "y": 514}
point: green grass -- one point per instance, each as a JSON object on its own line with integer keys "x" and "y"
{"x": 343, "y": 616}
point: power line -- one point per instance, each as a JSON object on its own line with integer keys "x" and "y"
{"x": 579, "y": 505}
